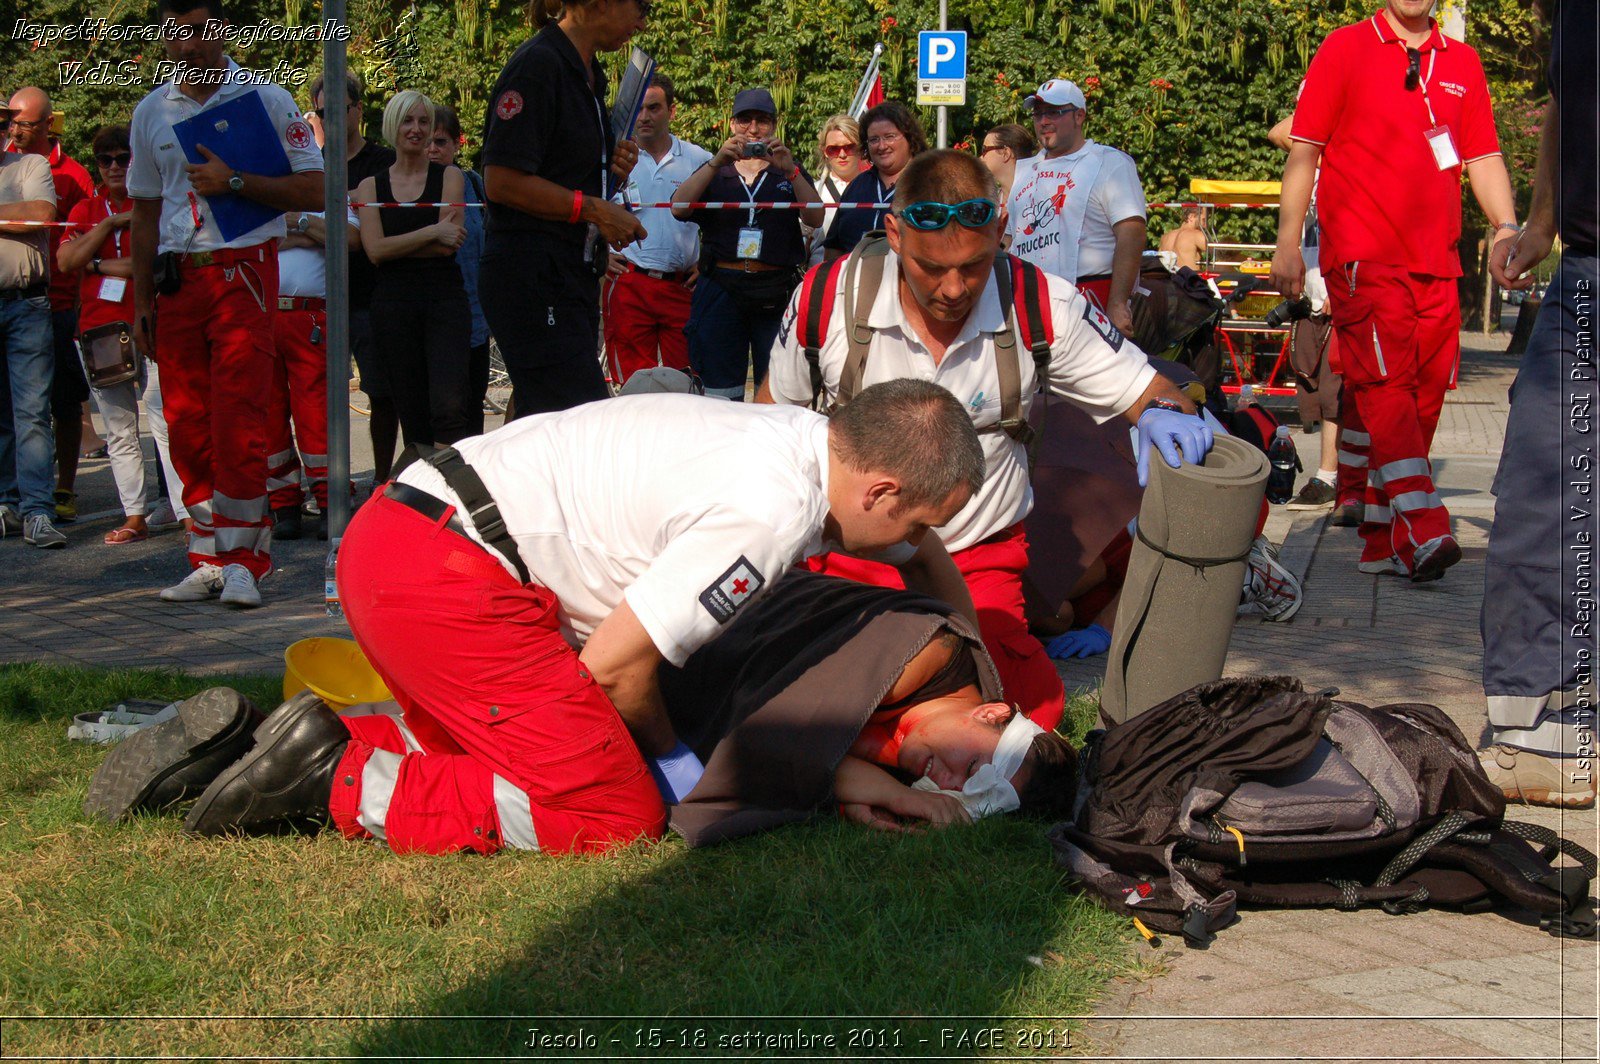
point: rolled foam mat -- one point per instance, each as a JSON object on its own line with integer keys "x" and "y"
{"x": 1196, "y": 525}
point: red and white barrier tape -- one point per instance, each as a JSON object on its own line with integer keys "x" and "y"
{"x": 697, "y": 205}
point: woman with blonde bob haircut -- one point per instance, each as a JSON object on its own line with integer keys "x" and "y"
{"x": 421, "y": 322}
{"x": 839, "y": 161}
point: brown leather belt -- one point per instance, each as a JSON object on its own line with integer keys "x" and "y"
{"x": 749, "y": 266}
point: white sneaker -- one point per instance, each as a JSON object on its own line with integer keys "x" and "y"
{"x": 198, "y": 586}
{"x": 239, "y": 587}
{"x": 1270, "y": 588}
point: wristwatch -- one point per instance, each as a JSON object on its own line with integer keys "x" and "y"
{"x": 1165, "y": 404}
{"x": 236, "y": 182}
{"x": 302, "y": 223}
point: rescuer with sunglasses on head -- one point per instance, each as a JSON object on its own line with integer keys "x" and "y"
{"x": 936, "y": 300}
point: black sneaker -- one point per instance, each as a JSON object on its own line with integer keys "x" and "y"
{"x": 1317, "y": 494}
{"x": 286, "y": 523}
{"x": 1348, "y": 514}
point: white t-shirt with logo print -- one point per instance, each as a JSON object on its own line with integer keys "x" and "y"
{"x": 1034, "y": 209}
{"x": 1091, "y": 365}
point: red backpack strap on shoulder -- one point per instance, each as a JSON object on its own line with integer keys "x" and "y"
{"x": 812, "y": 317}
{"x": 1030, "y": 293}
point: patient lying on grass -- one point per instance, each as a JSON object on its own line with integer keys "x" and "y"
{"x": 826, "y": 694}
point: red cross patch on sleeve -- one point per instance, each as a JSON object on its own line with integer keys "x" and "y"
{"x": 298, "y": 134}
{"x": 732, "y": 589}
{"x": 509, "y": 105}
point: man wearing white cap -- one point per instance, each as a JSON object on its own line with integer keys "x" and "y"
{"x": 1077, "y": 209}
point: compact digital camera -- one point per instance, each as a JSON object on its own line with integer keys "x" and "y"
{"x": 755, "y": 149}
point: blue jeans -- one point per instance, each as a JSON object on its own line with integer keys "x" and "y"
{"x": 1535, "y": 629}
{"x": 27, "y": 444}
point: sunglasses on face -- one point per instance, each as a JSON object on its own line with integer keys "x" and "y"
{"x": 1052, "y": 114}
{"x": 839, "y": 151}
{"x": 1413, "y": 69}
{"x": 109, "y": 159}
{"x": 929, "y": 215}
{"x": 23, "y": 123}
{"x": 987, "y": 148}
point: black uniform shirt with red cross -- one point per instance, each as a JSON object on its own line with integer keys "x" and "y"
{"x": 545, "y": 119}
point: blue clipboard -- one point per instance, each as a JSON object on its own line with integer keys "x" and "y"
{"x": 240, "y": 134}
{"x": 630, "y": 93}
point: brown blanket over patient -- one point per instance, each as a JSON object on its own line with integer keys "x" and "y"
{"x": 773, "y": 704}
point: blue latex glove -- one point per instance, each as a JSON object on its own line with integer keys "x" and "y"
{"x": 1080, "y": 643}
{"x": 676, "y": 773}
{"x": 1179, "y": 437}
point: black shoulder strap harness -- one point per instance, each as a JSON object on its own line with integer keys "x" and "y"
{"x": 479, "y": 505}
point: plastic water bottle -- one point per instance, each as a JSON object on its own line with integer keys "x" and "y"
{"x": 330, "y": 584}
{"x": 1247, "y": 395}
{"x": 1280, "y": 482}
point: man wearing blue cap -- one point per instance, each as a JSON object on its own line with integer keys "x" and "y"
{"x": 751, "y": 259}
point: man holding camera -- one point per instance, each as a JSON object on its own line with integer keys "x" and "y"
{"x": 1394, "y": 112}
{"x": 750, "y": 260}
{"x": 210, "y": 327}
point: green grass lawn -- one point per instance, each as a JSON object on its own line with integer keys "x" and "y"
{"x": 133, "y": 940}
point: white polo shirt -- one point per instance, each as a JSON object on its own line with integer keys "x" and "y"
{"x": 1091, "y": 365}
{"x": 303, "y": 272}
{"x": 686, "y": 507}
{"x": 157, "y": 170}
{"x": 1035, "y": 209}
{"x": 671, "y": 245}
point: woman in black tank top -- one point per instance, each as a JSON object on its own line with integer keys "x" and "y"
{"x": 421, "y": 323}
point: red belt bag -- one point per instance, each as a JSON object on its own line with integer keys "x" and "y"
{"x": 109, "y": 355}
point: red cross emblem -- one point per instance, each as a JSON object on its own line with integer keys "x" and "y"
{"x": 741, "y": 587}
{"x": 509, "y": 105}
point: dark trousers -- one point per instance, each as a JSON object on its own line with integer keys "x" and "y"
{"x": 425, "y": 345}
{"x": 732, "y": 335}
{"x": 542, "y": 303}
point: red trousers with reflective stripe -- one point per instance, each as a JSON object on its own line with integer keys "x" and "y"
{"x": 993, "y": 571}
{"x": 489, "y": 688}
{"x": 299, "y": 392}
{"x": 214, "y": 346}
{"x": 1400, "y": 344}
{"x": 644, "y": 314}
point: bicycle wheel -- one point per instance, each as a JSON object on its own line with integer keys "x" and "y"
{"x": 498, "y": 397}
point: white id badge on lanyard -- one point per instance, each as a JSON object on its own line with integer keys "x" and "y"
{"x": 113, "y": 288}
{"x": 1444, "y": 148}
{"x": 749, "y": 246}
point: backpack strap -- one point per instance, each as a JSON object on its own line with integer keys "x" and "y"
{"x": 862, "y": 279}
{"x": 1012, "y": 423}
{"x": 1037, "y": 326}
{"x": 811, "y": 320}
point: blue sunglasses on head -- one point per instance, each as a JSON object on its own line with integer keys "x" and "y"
{"x": 972, "y": 213}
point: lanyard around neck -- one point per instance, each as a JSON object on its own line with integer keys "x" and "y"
{"x": 750, "y": 192}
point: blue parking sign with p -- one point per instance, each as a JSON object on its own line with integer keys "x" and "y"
{"x": 942, "y": 67}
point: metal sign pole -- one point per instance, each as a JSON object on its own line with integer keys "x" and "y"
{"x": 943, "y": 135}
{"x": 335, "y": 168}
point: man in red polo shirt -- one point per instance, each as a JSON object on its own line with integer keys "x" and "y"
{"x": 1394, "y": 112}
{"x": 69, "y": 390}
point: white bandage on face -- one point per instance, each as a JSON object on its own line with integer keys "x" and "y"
{"x": 988, "y": 791}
